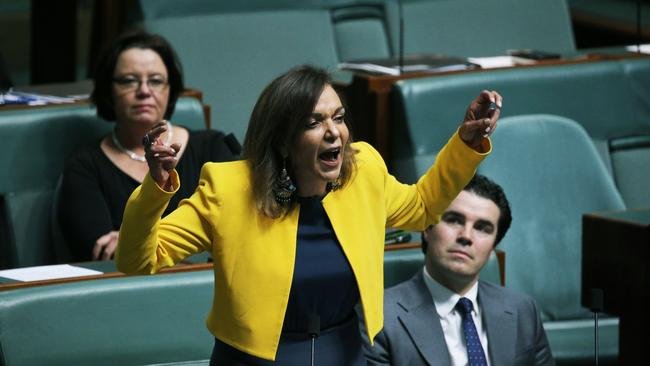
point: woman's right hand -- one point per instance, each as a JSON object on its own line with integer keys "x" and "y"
{"x": 160, "y": 157}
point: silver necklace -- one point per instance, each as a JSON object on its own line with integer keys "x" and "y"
{"x": 133, "y": 155}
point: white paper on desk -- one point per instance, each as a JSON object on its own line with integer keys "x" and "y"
{"x": 644, "y": 48}
{"x": 499, "y": 61}
{"x": 47, "y": 272}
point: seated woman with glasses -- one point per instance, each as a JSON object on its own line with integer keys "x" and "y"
{"x": 136, "y": 85}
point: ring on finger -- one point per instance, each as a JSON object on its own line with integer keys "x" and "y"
{"x": 146, "y": 141}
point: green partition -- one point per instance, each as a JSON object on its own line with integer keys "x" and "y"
{"x": 486, "y": 27}
{"x": 136, "y": 320}
{"x": 231, "y": 57}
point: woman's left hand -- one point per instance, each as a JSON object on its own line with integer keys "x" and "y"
{"x": 481, "y": 119}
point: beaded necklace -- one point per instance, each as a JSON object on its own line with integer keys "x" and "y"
{"x": 133, "y": 155}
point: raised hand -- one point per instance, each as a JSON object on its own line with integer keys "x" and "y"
{"x": 481, "y": 120}
{"x": 160, "y": 157}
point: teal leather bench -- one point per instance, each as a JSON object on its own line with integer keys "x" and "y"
{"x": 552, "y": 175}
{"x": 135, "y": 320}
{"x": 362, "y": 29}
{"x": 132, "y": 320}
{"x": 610, "y": 99}
{"x": 370, "y": 28}
{"x": 472, "y": 28}
{"x": 231, "y": 57}
{"x": 37, "y": 141}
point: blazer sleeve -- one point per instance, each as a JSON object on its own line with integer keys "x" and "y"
{"x": 147, "y": 243}
{"x": 543, "y": 355}
{"x": 414, "y": 207}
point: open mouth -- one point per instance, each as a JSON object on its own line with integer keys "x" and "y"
{"x": 331, "y": 155}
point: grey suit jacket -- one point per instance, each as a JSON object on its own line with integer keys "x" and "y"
{"x": 412, "y": 333}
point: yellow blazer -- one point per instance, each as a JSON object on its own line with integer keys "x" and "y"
{"x": 254, "y": 255}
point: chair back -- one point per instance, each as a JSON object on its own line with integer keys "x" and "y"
{"x": 475, "y": 28}
{"x": 552, "y": 175}
{"x": 231, "y": 57}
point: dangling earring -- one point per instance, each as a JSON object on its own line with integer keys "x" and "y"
{"x": 334, "y": 185}
{"x": 284, "y": 188}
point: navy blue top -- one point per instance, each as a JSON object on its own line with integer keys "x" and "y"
{"x": 324, "y": 285}
{"x": 323, "y": 281}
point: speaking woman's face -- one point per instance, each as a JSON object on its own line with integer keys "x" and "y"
{"x": 317, "y": 155}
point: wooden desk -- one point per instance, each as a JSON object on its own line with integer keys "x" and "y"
{"x": 368, "y": 97}
{"x": 108, "y": 267}
{"x": 615, "y": 258}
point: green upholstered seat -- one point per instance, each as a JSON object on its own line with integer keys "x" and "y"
{"x": 438, "y": 103}
{"x": 361, "y": 32}
{"x": 551, "y": 173}
{"x": 232, "y": 56}
{"x": 609, "y": 99}
{"x": 631, "y": 167}
{"x": 137, "y": 320}
{"x": 27, "y": 224}
{"x": 572, "y": 341}
{"x": 486, "y": 27}
{"x": 360, "y": 27}
{"x": 157, "y": 9}
{"x": 189, "y": 113}
{"x": 38, "y": 140}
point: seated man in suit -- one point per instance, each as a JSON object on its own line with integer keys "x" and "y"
{"x": 444, "y": 315}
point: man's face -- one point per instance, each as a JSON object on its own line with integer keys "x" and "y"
{"x": 461, "y": 243}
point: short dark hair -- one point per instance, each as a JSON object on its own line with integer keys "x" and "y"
{"x": 482, "y": 186}
{"x": 279, "y": 116}
{"x": 102, "y": 95}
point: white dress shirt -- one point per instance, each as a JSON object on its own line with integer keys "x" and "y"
{"x": 451, "y": 320}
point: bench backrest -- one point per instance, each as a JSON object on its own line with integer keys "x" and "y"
{"x": 38, "y": 140}
{"x": 120, "y": 321}
{"x": 610, "y": 99}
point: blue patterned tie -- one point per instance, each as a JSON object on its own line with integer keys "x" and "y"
{"x": 475, "y": 355}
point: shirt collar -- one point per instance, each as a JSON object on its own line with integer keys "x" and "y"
{"x": 445, "y": 299}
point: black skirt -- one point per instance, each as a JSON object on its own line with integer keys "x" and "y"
{"x": 339, "y": 345}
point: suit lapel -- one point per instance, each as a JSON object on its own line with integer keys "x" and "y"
{"x": 500, "y": 321}
{"x": 420, "y": 320}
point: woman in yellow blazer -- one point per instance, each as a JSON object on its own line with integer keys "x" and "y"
{"x": 296, "y": 230}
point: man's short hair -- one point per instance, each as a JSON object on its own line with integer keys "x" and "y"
{"x": 482, "y": 186}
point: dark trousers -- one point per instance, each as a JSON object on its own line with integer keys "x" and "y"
{"x": 340, "y": 346}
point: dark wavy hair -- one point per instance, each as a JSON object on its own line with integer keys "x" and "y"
{"x": 279, "y": 116}
{"x": 484, "y": 187}
{"x": 102, "y": 95}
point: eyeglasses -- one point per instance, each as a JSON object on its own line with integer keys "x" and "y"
{"x": 130, "y": 83}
